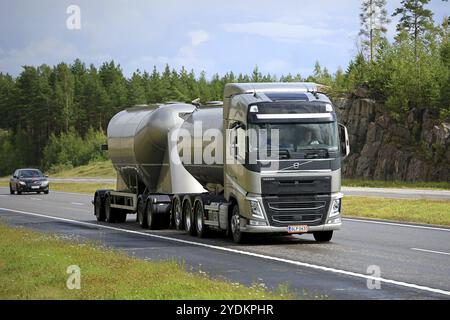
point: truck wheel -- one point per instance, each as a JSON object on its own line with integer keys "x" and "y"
{"x": 188, "y": 217}
{"x": 177, "y": 213}
{"x": 323, "y": 236}
{"x": 238, "y": 236}
{"x": 11, "y": 191}
{"x": 110, "y": 216}
{"x": 151, "y": 217}
{"x": 99, "y": 210}
{"x": 200, "y": 226}
{"x": 141, "y": 213}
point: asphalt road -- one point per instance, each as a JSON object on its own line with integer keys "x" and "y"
{"x": 413, "y": 260}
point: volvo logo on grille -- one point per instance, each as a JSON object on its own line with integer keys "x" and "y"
{"x": 296, "y": 165}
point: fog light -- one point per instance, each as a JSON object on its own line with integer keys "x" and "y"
{"x": 333, "y": 221}
{"x": 257, "y": 223}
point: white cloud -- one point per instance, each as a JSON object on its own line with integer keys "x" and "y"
{"x": 198, "y": 37}
{"x": 279, "y": 31}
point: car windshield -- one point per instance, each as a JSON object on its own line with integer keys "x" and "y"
{"x": 30, "y": 173}
{"x": 295, "y": 140}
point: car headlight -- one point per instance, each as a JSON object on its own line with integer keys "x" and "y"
{"x": 335, "y": 208}
{"x": 22, "y": 183}
{"x": 44, "y": 183}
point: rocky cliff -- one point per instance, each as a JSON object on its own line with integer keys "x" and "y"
{"x": 414, "y": 149}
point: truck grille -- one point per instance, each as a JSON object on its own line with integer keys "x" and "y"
{"x": 287, "y": 210}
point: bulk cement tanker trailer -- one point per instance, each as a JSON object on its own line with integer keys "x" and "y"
{"x": 266, "y": 160}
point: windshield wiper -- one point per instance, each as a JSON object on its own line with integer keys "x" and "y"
{"x": 319, "y": 153}
{"x": 282, "y": 153}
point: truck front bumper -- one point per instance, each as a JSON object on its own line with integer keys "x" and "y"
{"x": 269, "y": 229}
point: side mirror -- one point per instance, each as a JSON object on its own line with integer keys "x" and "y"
{"x": 343, "y": 140}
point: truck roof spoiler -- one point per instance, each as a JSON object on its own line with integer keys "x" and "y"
{"x": 232, "y": 89}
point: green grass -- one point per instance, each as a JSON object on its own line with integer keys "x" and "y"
{"x": 419, "y": 211}
{"x": 33, "y": 266}
{"x": 102, "y": 169}
{"x": 395, "y": 184}
{"x": 73, "y": 187}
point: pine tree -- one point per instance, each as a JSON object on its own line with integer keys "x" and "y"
{"x": 414, "y": 20}
{"x": 373, "y": 24}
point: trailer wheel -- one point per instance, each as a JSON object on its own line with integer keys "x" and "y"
{"x": 141, "y": 213}
{"x": 238, "y": 236}
{"x": 152, "y": 221}
{"x": 110, "y": 215}
{"x": 177, "y": 213}
{"x": 199, "y": 215}
{"x": 323, "y": 236}
{"x": 188, "y": 216}
{"x": 99, "y": 209}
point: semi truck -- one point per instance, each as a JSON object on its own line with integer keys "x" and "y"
{"x": 265, "y": 160}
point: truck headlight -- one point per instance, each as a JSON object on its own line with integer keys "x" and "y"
{"x": 256, "y": 209}
{"x": 335, "y": 208}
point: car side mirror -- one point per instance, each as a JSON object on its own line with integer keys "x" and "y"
{"x": 344, "y": 141}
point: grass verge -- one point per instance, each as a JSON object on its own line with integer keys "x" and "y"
{"x": 418, "y": 211}
{"x": 101, "y": 169}
{"x": 395, "y": 184}
{"x": 33, "y": 266}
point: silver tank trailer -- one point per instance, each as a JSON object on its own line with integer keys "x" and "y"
{"x": 204, "y": 119}
{"x": 138, "y": 146}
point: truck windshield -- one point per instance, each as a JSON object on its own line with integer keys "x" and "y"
{"x": 295, "y": 140}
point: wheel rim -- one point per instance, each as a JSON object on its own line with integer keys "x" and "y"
{"x": 235, "y": 224}
{"x": 140, "y": 213}
{"x": 108, "y": 210}
{"x": 187, "y": 216}
{"x": 199, "y": 216}
{"x": 149, "y": 215}
{"x": 97, "y": 206}
{"x": 178, "y": 215}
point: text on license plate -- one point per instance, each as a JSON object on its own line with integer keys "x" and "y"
{"x": 34, "y": 187}
{"x": 297, "y": 229}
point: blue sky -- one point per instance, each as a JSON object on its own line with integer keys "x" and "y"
{"x": 279, "y": 36}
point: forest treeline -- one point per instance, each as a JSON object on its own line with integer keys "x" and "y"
{"x": 56, "y": 116}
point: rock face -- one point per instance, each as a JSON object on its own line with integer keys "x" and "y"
{"x": 414, "y": 149}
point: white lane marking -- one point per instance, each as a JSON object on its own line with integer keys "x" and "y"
{"x": 431, "y": 251}
{"x": 397, "y": 224}
{"x": 36, "y": 199}
{"x": 246, "y": 253}
{"x": 77, "y": 203}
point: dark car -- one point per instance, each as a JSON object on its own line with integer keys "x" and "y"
{"x": 28, "y": 180}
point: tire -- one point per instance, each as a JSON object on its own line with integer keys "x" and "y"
{"x": 46, "y": 191}
{"x": 238, "y": 236}
{"x": 99, "y": 209}
{"x": 323, "y": 236}
{"x": 11, "y": 191}
{"x": 141, "y": 213}
{"x": 152, "y": 219}
{"x": 110, "y": 215}
{"x": 177, "y": 213}
{"x": 38, "y": 192}
{"x": 188, "y": 216}
{"x": 199, "y": 221}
